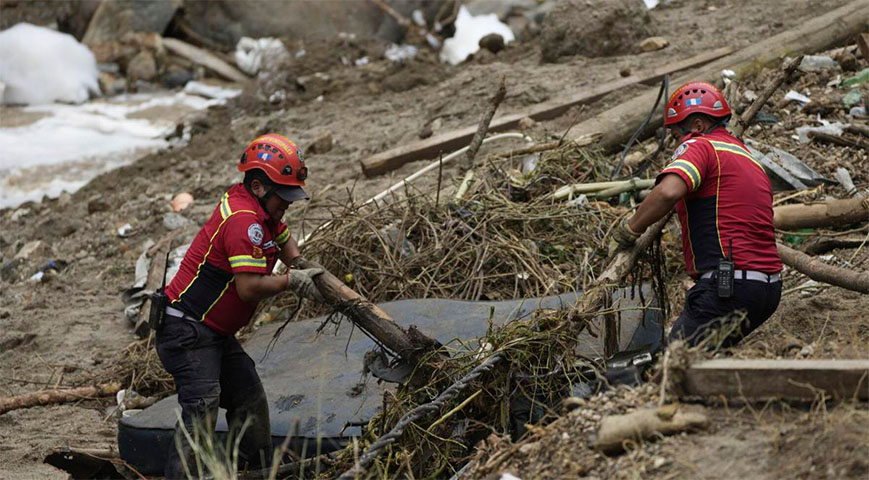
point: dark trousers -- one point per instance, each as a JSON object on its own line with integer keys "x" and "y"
{"x": 211, "y": 371}
{"x": 706, "y": 314}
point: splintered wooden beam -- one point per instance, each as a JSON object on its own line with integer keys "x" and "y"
{"x": 449, "y": 141}
{"x": 777, "y": 379}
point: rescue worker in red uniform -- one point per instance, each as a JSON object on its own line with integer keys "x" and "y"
{"x": 724, "y": 201}
{"x": 224, "y": 274}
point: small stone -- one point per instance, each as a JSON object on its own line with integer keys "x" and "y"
{"x": 33, "y": 250}
{"x": 176, "y": 77}
{"x": 492, "y": 42}
{"x": 526, "y": 123}
{"x": 425, "y": 132}
{"x": 625, "y": 72}
{"x": 97, "y": 203}
{"x": 64, "y": 199}
{"x": 436, "y": 124}
{"x": 659, "y": 462}
{"x": 174, "y": 221}
{"x": 20, "y": 213}
{"x": 653, "y": 43}
{"x": 321, "y": 144}
{"x": 142, "y": 67}
{"x": 110, "y": 84}
{"x": 848, "y": 62}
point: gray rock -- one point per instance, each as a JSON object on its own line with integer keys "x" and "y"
{"x": 322, "y": 144}
{"x": 97, "y": 203}
{"x": 176, "y": 77}
{"x": 492, "y": 42}
{"x": 174, "y": 221}
{"x": 142, "y": 67}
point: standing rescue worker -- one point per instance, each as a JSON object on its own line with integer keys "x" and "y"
{"x": 225, "y": 273}
{"x": 724, "y": 201}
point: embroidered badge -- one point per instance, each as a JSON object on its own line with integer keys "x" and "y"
{"x": 255, "y": 233}
{"x": 679, "y": 151}
{"x": 257, "y": 252}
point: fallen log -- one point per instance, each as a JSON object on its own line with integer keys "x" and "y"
{"x": 841, "y": 141}
{"x": 761, "y": 379}
{"x": 407, "y": 344}
{"x": 818, "y": 215}
{"x": 617, "y": 431}
{"x": 206, "y": 59}
{"x": 54, "y": 397}
{"x": 822, "y": 245}
{"x": 815, "y": 269}
{"x": 618, "y": 124}
{"x": 431, "y": 147}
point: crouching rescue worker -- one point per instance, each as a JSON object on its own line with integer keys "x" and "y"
{"x": 724, "y": 201}
{"x": 225, "y": 273}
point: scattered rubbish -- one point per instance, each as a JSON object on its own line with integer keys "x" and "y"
{"x": 211, "y": 91}
{"x": 781, "y": 179}
{"x": 181, "y": 201}
{"x": 797, "y": 97}
{"x": 852, "y": 98}
{"x": 798, "y": 168}
{"x": 728, "y": 74}
{"x": 859, "y": 111}
{"x": 469, "y": 30}
{"x": 650, "y": 4}
{"x": 816, "y": 63}
{"x": 508, "y": 475}
{"x": 843, "y": 176}
{"x": 174, "y": 221}
{"x": 765, "y": 117}
{"x": 48, "y": 271}
{"x": 66, "y": 71}
{"x": 579, "y": 201}
{"x": 361, "y": 61}
{"x": 749, "y": 95}
{"x": 278, "y": 96}
{"x": 400, "y": 53}
{"x": 260, "y": 54}
{"x": 125, "y": 230}
{"x": 859, "y": 79}
{"x": 529, "y": 163}
{"x": 396, "y": 239}
{"x": 835, "y": 128}
{"x": 653, "y": 43}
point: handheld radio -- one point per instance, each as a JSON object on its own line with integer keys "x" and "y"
{"x": 159, "y": 302}
{"x": 725, "y": 274}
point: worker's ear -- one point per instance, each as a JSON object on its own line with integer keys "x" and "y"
{"x": 698, "y": 124}
{"x": 257, "y": 188}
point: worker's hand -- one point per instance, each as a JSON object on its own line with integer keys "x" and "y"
{"x": 302, "y": 282}
{"x": 622, "y": 238}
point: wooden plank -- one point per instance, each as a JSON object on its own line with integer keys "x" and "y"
{"x": 449, "y": 141}
{"x": 206, "y": 59}
{"x": 778, "y": 379}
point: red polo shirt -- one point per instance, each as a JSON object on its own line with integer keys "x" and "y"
{"x": 239, "y": 237}
{"x": 729, "y": 199}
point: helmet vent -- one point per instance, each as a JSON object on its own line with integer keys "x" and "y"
{"x": 287, "y": 170}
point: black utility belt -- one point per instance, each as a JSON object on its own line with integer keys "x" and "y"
{"x": 748, "y": 275}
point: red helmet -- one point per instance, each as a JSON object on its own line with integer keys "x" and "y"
{"x": 695, "y": 97}
{"x": 281, "y": 160}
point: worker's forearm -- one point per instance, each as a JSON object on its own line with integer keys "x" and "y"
{"x": 289, "y": 252}
{"x": 254, "y": 287}
{"x": 653, "y": 208}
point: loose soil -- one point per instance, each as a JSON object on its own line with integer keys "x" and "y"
{"x": 71, "y": 329}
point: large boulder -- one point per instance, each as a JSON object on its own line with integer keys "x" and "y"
{"x": 594, "y": 28}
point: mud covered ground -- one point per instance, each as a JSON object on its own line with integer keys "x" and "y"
{"x": 71, "y": 329}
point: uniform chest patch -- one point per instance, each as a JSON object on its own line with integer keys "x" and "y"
{"x": 255, "y": 233}
{"x": 679, "y": 151}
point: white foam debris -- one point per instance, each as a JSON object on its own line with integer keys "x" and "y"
{"x": 211, "y": 91}
{"x": 39, "y": 65}
{"x": 255, "y": 54}
{"x": 469, "y": 30}
{"x": 398, "y": 53}
{"x": 650, "y": 4}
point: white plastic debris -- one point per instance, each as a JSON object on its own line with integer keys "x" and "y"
{"x": 797, "y": 97}
{"x": 816, "y": 63}
{"x": 399, "y": 53}
{"x": 469, "y": 30}
{"x": 211, "y": 91}
{"x": 826, "y": 127}
{"x": 253, "y": 55}
{"x": 125, "y": 230}
{"x": 418, "y": 17}
{"x": 650, "y": 4}
{"x": 509, "y": 476}
{"x": 361, "y": 61}
{"x": 39, "y": 65}
{"x": 728, "y": 74}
